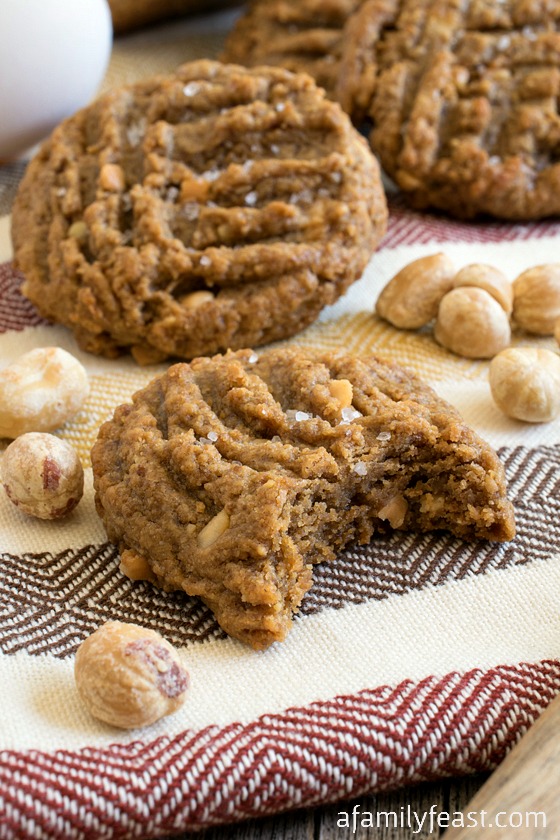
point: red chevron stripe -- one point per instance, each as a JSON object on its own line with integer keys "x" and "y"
{"x": 16, "y": 312}
{"x": 407, "y": 227}
{"x": 328, "y": 751}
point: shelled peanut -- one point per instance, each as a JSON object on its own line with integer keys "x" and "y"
{"x": 411, "y": 299}
{"x": 40, "y": 391}
{"x": 471, "y": 323}
{"x": 525, "y": 383}
{"x": 536, "y": 299}
{"x": 473, "y": 312}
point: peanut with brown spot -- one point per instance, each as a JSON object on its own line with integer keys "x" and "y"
{"x": 129, "y": 676}
{"x": 42, "y": 475}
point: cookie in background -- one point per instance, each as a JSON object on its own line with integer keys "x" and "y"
{"x": 132, "y": 14}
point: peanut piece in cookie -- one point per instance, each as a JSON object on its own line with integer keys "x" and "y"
{"x": 213, "y": 530}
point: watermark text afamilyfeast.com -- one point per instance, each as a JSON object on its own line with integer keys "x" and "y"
{"x": 428, "y": 821}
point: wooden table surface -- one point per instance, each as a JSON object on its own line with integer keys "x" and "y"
{"x": 448, "y": 796}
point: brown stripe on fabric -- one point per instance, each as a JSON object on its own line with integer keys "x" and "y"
{"x": 532, "y": 472}
{"x": 50, "y": 602}
{"x": 16, "y": 312}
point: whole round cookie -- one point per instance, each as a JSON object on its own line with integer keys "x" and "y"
{"x": 461, "y": 99}
{"x": 213, "y": 208}
{"x": 229, "y": 477}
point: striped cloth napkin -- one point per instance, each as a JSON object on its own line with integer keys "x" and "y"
{"x": 413, "y": 658}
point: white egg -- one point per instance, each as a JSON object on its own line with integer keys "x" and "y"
{"x": 53, "y": 56}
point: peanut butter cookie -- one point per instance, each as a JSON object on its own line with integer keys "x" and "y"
{"x": 214, "y": 208}
{"x": 231, "y": 476}
{"x": 461, "y": 98}
{"x": 464, "y": 106}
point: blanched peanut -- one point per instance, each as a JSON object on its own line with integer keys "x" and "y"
{"x": 135, "y": 567}
{"x": 214, "y": 529}
{"x": 196, "y": 299}
{"x": 129, "y": 676}
{"x": 111, "y": 177}
{"x": 490, "y": 279}
{"x": 40, "y": 391}
{"x": 42, "y": 475}
{"x": 411, "y": 299}
{"x": 472, "y": 324}
{"x": 394, "y": 511}
{"x": 536, "y": 299}
{"x": 525, "y": 383}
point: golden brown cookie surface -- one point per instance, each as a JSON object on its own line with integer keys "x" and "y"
{"x": 230, "y": 476}
{"x": 461, "y": 98}
{"x": 464, "y": 107}
{"x": 214, "y": 208}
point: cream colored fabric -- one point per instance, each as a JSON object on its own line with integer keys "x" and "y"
{"x": 350, "y": 323}
{"x": 431, "y": 632}
{"x": 472, "y": 623}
